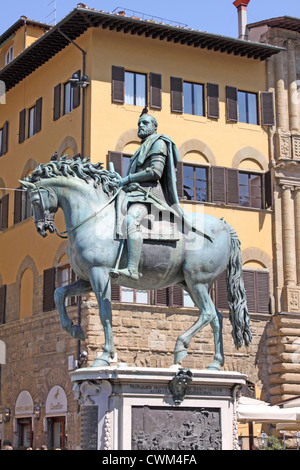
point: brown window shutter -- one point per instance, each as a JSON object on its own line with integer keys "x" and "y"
{"x": 263, "y": 291}
{"x": 49, "y": 289}
{"x": 256, "y": 192}
{"x": 5, "y": 138}
{"x": 218, "y": 184}
{"x": 117, "y": 159}
{"x": 267, "y": 108}
{"x": 115, "y": 293}
{"x": 268, "y": 189}
{"x": 179, "y": 179}
{"x": 221, "y": 292}
{"x": 176, "y": 296}
{"x": 77, "y": 92}
{"x": 22, "y": 122}
{"x": 176, "y": 95}
{"x": 4, "y": 212}
{"x": 213, "y": 101}
{"x": 57, "y": 102}
{"x": 232, "y": 103}
{"x": 233, "y": 196}
{"x": 249, "y": 282}
{"x": 38, "y": 115}
{"x": 118, "y": 84}
{"x": 155, "y": 90}
{"x": 18, "y": 207}
{"x": 73, "y": 279}
{"x": 2, "y": 304}
{"x": 162, "y": 297}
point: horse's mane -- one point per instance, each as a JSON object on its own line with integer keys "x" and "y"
{"x": 83, "y": 169}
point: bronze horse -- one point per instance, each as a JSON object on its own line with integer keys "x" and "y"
{"x": 87, "y": 195}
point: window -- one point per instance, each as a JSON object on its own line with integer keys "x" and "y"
{"x": 3, "y": 304}
{"x": 68, "y": 98}
{"x": 250, "y": 190}
{"x": 193, "y": 95}
{"x": 120, "y": 161}
{"x": 195, "y": 183}
{"x": 4, "y": 212}
{"x": 31, "y": 121}
{"x": 66, "y": 276}
{"x": 4, "y": 139}
{"x": 248, "y": 109}
{"x": 23, "y": 208}
{"x": 135, "y": 296}
{"x": 135, "y": 89}
{"x": 33, "y": 117}
{"x": 9, "y": 55}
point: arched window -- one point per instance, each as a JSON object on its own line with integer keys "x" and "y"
{"x": 10, "y": 55}
{"x": 26, "y": 294}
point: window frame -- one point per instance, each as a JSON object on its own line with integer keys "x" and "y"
{"x": 247, "y": 111}
{"x": 10, "y": 55}
{"x": 193, "y": 85}
{"x": 70, "y": 98}
{"x": 251, "y": 196}
{"x": 194, "y": 167}
{"x": 31, "y": 131}
{"x": 135, "y": 74}
{"x": 135, "y": 293}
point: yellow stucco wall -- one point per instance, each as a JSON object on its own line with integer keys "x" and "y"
{"x": 107, "y": 122}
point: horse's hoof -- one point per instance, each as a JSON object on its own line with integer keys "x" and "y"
{"x": 77, "y": 332}
{"x": 180, "y": 355}
{"x": 215, "y": 365}
{"x": 100, "y": 362}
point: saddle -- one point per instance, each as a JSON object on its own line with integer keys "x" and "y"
{"x": 158, "y": 225}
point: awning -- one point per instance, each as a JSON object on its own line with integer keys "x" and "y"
{"x": 249, "y": 410}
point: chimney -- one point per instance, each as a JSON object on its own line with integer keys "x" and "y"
{"x": 241, "y": 6}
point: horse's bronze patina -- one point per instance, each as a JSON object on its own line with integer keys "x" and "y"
{"x": 87, "y": 195}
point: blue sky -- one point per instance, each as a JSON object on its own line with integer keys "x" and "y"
{"x": 214, "y": 16}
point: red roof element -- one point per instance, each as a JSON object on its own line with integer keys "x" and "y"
{"x": 239, "y": 3}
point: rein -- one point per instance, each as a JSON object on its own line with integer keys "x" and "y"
{"x": 61, "y": 234}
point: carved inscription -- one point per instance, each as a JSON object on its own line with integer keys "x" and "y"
{"x": 89, "y": 427}
{"x": 162, "y": 428}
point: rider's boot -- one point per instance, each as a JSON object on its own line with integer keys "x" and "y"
{"x": 135, "y": 243}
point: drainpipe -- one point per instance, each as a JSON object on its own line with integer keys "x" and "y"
{"x": 83, "y": 84}
{"x": 241, "y": 6}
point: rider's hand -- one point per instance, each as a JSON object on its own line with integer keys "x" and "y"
{"x": 124, "y": 181}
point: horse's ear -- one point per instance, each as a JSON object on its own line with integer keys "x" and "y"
{"x": 27, "y": 184}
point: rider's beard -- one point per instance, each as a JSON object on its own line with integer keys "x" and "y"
{"x": 143, "y": 134}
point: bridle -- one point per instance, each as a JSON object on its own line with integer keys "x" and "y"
{"x": 47, "y": 218}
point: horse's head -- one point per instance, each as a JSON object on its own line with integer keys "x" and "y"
{"x": 44, "y": 204}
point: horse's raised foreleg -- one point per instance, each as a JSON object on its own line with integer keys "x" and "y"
{"x": 100, "y": 281}
{"x": 78, "y": 287}
{"x": 208, "y": 315}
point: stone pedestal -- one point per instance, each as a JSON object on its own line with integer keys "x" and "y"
{"x": 127, "y": 408}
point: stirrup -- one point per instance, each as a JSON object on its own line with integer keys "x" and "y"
{"x": 134, "y": 275}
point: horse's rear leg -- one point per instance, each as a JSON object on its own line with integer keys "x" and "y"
{"x": 208, "y": 315}
{"x": 100, "y": 281}
{"x": 76, "y": 288}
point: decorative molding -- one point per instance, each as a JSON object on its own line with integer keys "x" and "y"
{"x": 196, "y": 145}
{"x": 68, "y": 142}
{"x": 128, "y": 137}
{"x": 250, "y": 153}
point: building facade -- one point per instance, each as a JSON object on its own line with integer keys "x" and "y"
{"x": 211, "y": 95}
{"x": 283, "y": 81}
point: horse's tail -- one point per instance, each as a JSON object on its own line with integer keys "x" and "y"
{"x": 237, "y": 300}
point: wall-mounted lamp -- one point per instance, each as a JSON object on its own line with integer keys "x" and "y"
{"x": 6, "y": 415}
{"x": 37, "y": 412}
{"x": 77, "y": 81}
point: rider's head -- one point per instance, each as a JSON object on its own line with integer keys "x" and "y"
{"x": 147, "y": 125}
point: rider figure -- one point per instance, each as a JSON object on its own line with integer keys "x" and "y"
{"x": 151, "y": 179}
